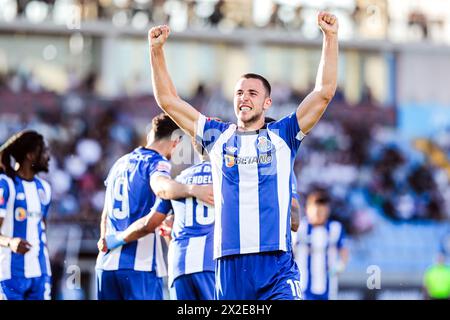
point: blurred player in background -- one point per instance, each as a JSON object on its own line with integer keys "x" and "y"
{"x": 24, "y": 202}
{"x": 252, "y": 166}
{"x": 320, "y": 249}
{"x": 190, "y": 258}
{"x": 134, "y": 270}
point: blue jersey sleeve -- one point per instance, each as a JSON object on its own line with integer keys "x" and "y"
{"x": 47, "y": 198}
{"x": 160, "y": 168}
{"x": 341, "y": 241}
{"x": 287, "y": 129}
{"x": 4, "y": 196}
{"x": 209, "y": 130}
{"x": 163, "y": 206}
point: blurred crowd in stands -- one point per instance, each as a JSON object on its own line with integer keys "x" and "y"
{"x": 361, "y": 18}
{"x": 364, "y": 162}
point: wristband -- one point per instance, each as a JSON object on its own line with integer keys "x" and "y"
{"x": 114, "y": 240}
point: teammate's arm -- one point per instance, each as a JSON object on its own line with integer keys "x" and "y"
{"x": 344, "y": 255}
{"x": 101, "y": 244}
{"x": 16, "y": 245}
{"x": 184, "y": 115}
{"x": 143, "y": 226}
{"x": 140, "y": 228}
{"x": 313, "y": 106}
{"x": 165, "y": 228}
{"x": 168, "y": 189}
{"x": 295, "y": 214}
{"x": 341, "y": 264}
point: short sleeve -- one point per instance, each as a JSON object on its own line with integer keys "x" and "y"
{"x": 208, "y": 131}
{"x": 287, "y": 129}
{"x": 341, "y": 243}
{"x": 48, "y": 197}
{"x": 161, "y": 168}
{"x": 163, "y": 206}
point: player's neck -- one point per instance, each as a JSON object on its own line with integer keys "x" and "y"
{"x": 318, "y": 224}
{"x": 251, "y": 126}
{"x": 159, "y": 147}
{"x": 26, "y": 173}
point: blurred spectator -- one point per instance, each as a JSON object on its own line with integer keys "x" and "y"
{"x": 216, "y": 17}
{"x": 417, "y": 18}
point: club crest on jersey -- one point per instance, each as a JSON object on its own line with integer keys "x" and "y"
{"x": 20, "y": 214}
{"x": 229, "y": 160}
{"x": 264, "y": 145}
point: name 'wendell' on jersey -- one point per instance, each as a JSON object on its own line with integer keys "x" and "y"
{"x": 252, "y": 174}
{"x": 198, "y": 175}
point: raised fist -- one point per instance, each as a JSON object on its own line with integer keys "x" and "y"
{"x": 327, "y": 22}
{"x": 157, "y": 36}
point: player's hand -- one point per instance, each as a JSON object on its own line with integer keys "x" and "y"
{"x": 165, "y": 229}
{"x": 19, "y": 245}
{"x": 204, "y": 193}
{"x": 157, "y": 36}
{"x": 337, "y": 269}
{"x": 328, "y": 23}
{"x": 101, "y": 245}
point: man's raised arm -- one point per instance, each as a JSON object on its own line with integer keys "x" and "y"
{"x": 165, "y": 93}
{"x": 313, "y": 106}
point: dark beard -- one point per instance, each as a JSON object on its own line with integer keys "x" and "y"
{"x": 39, "y": 168}
{"x": 253, "y": 119}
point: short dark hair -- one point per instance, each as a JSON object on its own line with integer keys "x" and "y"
{"x": 319, "y": 196}
{"x": 266, "y": 83}
{"x": 18, "y": 146}
{"x": 163, "y": 126}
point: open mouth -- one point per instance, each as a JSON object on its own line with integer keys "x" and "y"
{"x": 244, "y": 107}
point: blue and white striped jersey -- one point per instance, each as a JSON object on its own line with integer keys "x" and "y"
{"x": 191, "y": 248}
{"x": 128, "y": 198}
{"x": 316, "y": 253}
{"x": 252, "y": 174}
{"x": 23, "y": 206}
